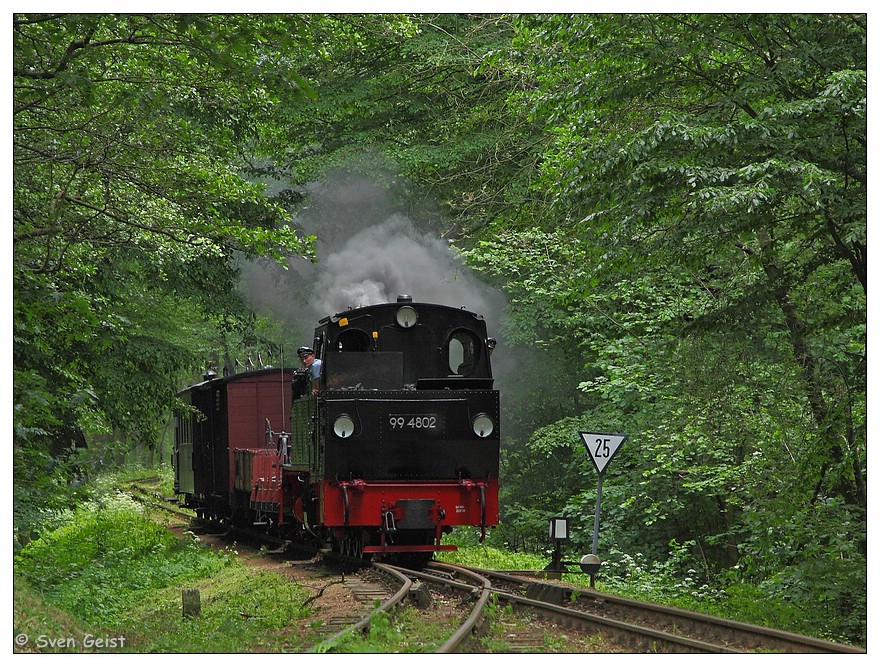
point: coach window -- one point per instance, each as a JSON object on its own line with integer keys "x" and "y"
{"x": 353, "y": 340}
{"x": 462, "y": 350}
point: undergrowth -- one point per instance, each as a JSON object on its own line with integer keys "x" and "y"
{"x": 109, "y": 570}
{"x": 107, "y": 555}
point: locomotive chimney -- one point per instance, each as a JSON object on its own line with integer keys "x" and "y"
{"x": 404, "y": 298}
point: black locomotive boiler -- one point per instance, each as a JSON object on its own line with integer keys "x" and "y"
{"x": 399, "y": 444}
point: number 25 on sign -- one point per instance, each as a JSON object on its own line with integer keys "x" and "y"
{"x": 602, "y": 447}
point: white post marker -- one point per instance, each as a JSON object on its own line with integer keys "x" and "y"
{"x": 601, "y": 447}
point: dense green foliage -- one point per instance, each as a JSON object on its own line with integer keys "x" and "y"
{"x": 106, "y": 556}
{"x": 134, "y": 144}
{"x": 706, "y": 253}
{"x": 116, "y": 575}
{"x": 674, "y": 205}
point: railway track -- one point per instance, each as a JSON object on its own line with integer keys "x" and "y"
{"x": 624, "y": 625}
{"x": 461, "y": 608}
{"x": 646, "y": 627}
{"x": 387, "y": 588}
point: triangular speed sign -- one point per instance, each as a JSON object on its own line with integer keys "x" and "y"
{"x": 602, "y": 447}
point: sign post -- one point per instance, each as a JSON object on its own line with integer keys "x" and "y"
{"x": 601, "y": 447}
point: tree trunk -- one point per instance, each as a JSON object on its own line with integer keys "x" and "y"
{"x": 829, "y": 428}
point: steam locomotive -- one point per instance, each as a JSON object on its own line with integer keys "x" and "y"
{"x": 399, "y": 445}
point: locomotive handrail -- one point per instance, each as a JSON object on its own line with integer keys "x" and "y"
{"x": 358, "y": 484}
{"x": 455, "y": 382}
{"x": 344, "y": 488}
{"x": 469, "y": 484}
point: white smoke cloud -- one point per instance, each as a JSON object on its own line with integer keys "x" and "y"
{"x": 366, "y": 254}
{"x": 377, "y": 264}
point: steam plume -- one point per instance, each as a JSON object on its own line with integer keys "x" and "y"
{"x": 367, "y": 254}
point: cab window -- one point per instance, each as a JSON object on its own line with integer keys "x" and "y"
{"x": 353, "y": 340}
{"x": 462, "y": 353}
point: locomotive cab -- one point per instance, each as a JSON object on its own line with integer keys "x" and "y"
{"x": 400, "y": 347}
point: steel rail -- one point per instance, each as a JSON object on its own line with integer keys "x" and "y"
{"x": 481, "y": 588}
{"x": 734, "y": 632}
{"x": 470, "y": 625}
{"x": 648, "y": 637}
{"x": 364, "y": 623}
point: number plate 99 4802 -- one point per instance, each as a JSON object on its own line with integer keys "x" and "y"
{"x": 422, "y": 422}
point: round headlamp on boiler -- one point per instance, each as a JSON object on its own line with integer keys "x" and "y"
{"x": 343, "y": 426}
{"x": 483, "y": 425}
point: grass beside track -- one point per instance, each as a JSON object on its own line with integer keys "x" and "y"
{"x": 110, "y": 579}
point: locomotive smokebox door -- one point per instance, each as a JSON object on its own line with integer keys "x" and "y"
{"x": 416, "y": 514}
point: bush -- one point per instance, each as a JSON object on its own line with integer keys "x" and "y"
{"x": 107, "y": 553}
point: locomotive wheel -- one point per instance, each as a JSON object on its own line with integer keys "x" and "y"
{"x": 352, "y": 545}
{"x": 356, "y": 545}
